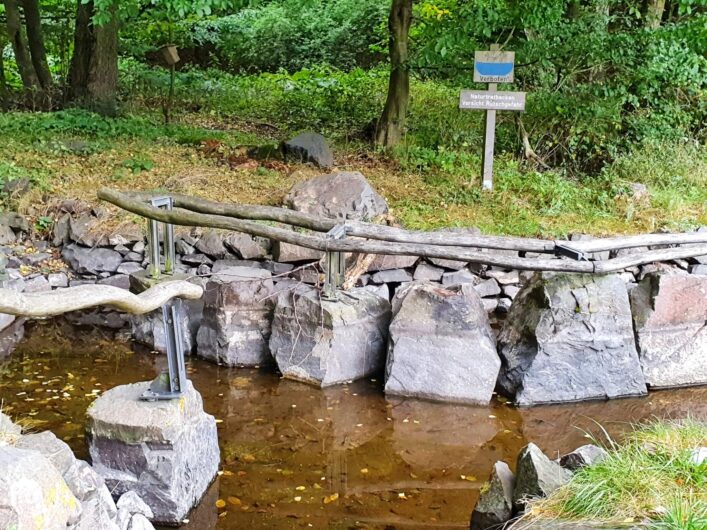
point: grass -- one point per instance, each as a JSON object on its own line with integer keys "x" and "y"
{"x": 649, "y": 477}
{"x": 70, "y": 154}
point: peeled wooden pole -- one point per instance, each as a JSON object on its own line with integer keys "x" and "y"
{"x": 399, "y": 235}
{"x": 188, "y": 218}
{"x": 42, "y": 305}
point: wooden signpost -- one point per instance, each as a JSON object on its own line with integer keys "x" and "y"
{"x": 492, "y": 67}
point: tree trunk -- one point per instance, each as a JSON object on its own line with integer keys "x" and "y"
{"x": 653, "y": 13}
{"x": 4, "y": 96}
{"x": 389, "y": 130}
{"x": 35, "y": 38}
{"x": 93, "y": 76}
{"x": 19, "y": 47}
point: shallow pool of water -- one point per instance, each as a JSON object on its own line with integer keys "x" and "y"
{"x": 294, "y": 456}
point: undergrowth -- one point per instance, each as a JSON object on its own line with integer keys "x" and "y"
{"x": 651, "y": 477}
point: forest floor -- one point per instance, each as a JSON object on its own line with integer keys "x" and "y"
{"x": 72, "y": 154}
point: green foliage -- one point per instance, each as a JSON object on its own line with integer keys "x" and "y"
{"x": 296, "y": 34}
{"x": 138, "y": 164}
{"x": 650, "y": 476}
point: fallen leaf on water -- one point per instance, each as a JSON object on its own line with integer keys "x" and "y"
{"x": 297, "y": 499}
{"x": 227, "y": 473}
{"x": 248, "y": 458}
{"x": 331, "y": 498}
{"x": 234, "y": 500}
{"x": 220, "y": 503}
{"x": 364, "y": 470}
{"x": 300, "y": 488}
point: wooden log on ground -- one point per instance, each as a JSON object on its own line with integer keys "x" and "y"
{"x": 61, "y": 301}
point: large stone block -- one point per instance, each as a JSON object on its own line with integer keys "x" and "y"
{"x": 670, "y": 319}
{"x": 441, "y": 345}
{"x": 91, "y": 260}
{"x": 341, "y": 195}
{"x": 32, "y": 492}
{"x": 165, "y": 451}
{"x": 149, "y": 330}
{"x": 238, "y": 308}
{"x": 569, "y": 337}
{"x": 326, "y": 342}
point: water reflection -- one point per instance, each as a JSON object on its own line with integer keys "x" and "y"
{"x": 298, "y": 457}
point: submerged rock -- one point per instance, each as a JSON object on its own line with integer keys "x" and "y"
{"x": 326, "y": 342}
{"x": 495, "y": 505}
{"x": 441, "y": 346}
{"x": 341, "y": 195}
{"x": 569, "y": 337}
{"x": 536, "y": 476}
{"x": 670, "y": 318}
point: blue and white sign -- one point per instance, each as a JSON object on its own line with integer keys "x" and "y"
{"x": 494, "y": 67}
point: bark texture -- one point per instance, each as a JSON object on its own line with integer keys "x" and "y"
{"x": 19, "y": 46}
{"x": 653, "y": 13}
{"x": 93, "y": 77}
{"x": 389, "y": 130}
{"x": 35, "y": 39}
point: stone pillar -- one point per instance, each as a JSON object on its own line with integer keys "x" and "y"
{"x": 569, "y": 337}
{"x": 327, "y": 342}
{"x": 238, "y": 308}
{"x": 441, "y": 345}
{"x": 149, "y": 329}
{"x": 165, "y": 451}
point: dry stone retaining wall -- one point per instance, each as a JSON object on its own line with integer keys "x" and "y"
{"x": 592, "y": 314}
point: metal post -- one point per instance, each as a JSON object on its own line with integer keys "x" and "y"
{"x": 168, "y": 240}
{"x": 335, "y": 264}
{"x": 171, "y": 383}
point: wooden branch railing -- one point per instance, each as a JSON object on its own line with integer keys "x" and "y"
{"x": 61, "y": 301}
{"x": 379, "y": 239}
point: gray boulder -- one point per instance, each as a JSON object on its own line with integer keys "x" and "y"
{"x": 391, "y": 276}
{"x": 57, "y": 452}
{"x": 32, "y": 492}
{"x": 536, "y": 476}
{"x": 308, "y": 147}
{"x": 9, "y": 431}
{"x": 669, "y": 315}
{"x": 211, "y": 244}
{"x": 441, "y": 346}
{"x": 91, "y": 260}
{"x": 132, "y": 502}
{"x": 326, "y": 342}
{"x": 427, "y": 272}
{"x": 569, "y": 337}
{"x": 341, "y": 195}
{"x": 84, "y": 230}
{"x": 586, "y": 455}
{"x": 383, "y": 262}
{"x": 238, "y": 308}
{"x": 166, "y": 451}
{"x": 287, "y": 253}
{"x": 7, "y": 236}
{"x": 495, "y": 505}
{"x": 247, "y": 246}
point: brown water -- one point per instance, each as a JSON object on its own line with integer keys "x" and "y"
{"x": 294, "y": 456}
